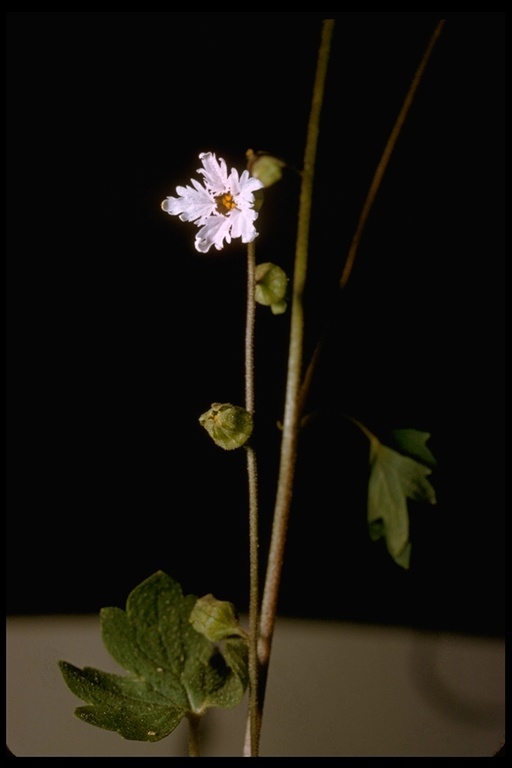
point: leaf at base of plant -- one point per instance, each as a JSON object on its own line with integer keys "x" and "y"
{"x": 173, "y": 669}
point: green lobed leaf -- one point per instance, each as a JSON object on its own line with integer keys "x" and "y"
{"x": 174, "y": 670}
{"x": 413, "y": 443}
{"x": 221, "y": 682}
{"x": 129, "y": 706}
{"x": 394, "y": 478}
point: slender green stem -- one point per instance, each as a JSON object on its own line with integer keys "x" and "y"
{"x": 193, "y": 734}
{"x": 370, "y": 198}
{"x": 252, "y": 474}
{"x": 290, "y": 433}
{"x": 254, "y": 708}
{"x": 250, "y": 319}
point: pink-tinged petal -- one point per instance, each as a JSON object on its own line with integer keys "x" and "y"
{"x": 172, "y": 205}
{"x": 214, "y": 172}
{"x": 233, "y": 182}
{"x": 242, "y": 226}
{"x": 192, "y": 204}
{"x": 213, "y": 232}
{"x": 236, "y": 218}
{"x": 249, "y": 183}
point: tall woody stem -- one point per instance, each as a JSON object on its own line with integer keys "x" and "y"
{"x": 290, "y": 434}
{"x": 252, "y": 474}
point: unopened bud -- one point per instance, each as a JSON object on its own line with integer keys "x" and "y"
{"x": 267, "y": 168}
{"x": 229, "y": 426}
{"x": 215, "y": 619}
{"x": 271, "y": 287}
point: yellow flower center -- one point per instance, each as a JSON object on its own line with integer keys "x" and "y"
{"x": 225, "y": 203}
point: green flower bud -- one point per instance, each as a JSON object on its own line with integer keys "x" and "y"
{"x": 215, "y": 619}
{"x": 266, "y": 168}
{"x": 271, "y": 287}
{"x": 228, "y": 425}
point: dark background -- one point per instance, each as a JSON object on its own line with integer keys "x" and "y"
{"x": 119, "y": 334}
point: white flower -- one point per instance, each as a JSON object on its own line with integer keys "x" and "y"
{"x": 222, "y": 208}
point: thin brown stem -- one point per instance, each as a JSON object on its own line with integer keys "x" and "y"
{"x": 370, "y": 198}
{"x": 386, "y": 155}
{"x": 193, "y": 734}
{"x": 290, "y": 433}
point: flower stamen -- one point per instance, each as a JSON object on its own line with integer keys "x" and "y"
{"x": 225, "y": 203}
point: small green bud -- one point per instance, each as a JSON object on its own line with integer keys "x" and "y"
{"x": 271, "y": 287}
{"x": 215, "y": 619}
{"x": 229, "y": 426}
{"x": 265, "y": 167}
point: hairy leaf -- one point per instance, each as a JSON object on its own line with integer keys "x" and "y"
{"x": 174, "y": 670}
{"x": 413, "y": 443}
{"x": 129, "y": 706}
{"x": 394, "y": 478}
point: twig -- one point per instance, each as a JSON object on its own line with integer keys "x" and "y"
{"x": 291, "y": 412}
{"x": 370, "y": 198}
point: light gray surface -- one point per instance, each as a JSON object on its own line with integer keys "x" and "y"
{"x": 334, "y": 690}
